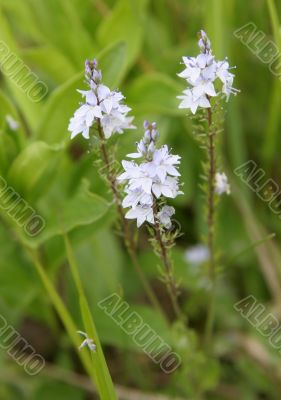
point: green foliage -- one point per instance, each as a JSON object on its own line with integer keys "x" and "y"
{"x": 139, "y": 45}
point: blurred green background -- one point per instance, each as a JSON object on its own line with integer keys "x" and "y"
{"x": 139, "y": 44}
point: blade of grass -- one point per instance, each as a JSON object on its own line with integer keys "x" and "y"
{"x": 269, "y": 267}
{"x": 219, "y": 24}
{"x": 274, "y": 22}
{"x": 272, "y": 126}
{"x": 99, "y": 363}
{"x": 214, "y": 25}
{"x": 248, "y": 248}
{"x": 271, "y": 136}
{"x": 64, "y": 315}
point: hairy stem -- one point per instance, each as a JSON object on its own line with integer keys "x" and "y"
{"x": 128, "y": 237}
{"x": 210, "y": 222}
{"x": 169, "y": 278}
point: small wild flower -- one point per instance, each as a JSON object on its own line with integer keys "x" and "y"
{"x": 164, "y": 216}
{"x": 202, "y": 73}
{"x": 148, "y": 184}
{"x": 154, "y": 178}
{"x": 99, "y": 104}
{"x": 208, "y": 79}
{"x": 104, "y": 113}
{"x": 12, "y": 123}
{"x": 197, "y": 254}
{"x": 87, "y": 342}
{"x": 221, "y": 184}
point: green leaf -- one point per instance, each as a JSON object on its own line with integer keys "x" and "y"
{"x": 58, "y": 111}
{"x": 106, "y": 267}
{"x": 18, "y": 282}
{"x": 125, "y": 23}
{"x": 112, "y": 61}
{"x": 112, "y": 333}
{"x": 50, "y": 62}
{"x": 11, "y": 141}
{"x": 30, "y": 109}
{"x": 154, "y": 93}
{"x": 6, "y": 108}
{"x": 66, "y": 31}
{"x": 62, "y": 215}
{"x": 30, "y": 166}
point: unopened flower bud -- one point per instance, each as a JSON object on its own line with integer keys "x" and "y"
{"x": 154, "y": 134}
{"x": 204, "y": 42}
{"x": 151, "y": 148}
{"x": 87, "y": 68}
{"x": 147, "y": 136}
{"x": 142, "y": 147}
{"x": 96, "y": 76}
{"x": 146, "y": 124}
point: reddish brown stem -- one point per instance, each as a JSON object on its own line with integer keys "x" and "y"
{"x": 128, "y": 237}
{"x": 210, "y": 222}
{"x": 170, "y": 282}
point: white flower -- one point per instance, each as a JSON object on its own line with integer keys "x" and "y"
{"x": 222, "y": 70}
{"x": 143, "y": 182}
{"x": 188, "y": 101}
{"x": 100, "y": 104}
{"x": 192, "y": 71}
{"x": 201, "y": 74}
{"x": 116, "y": 123}
{"x": 12, "y": 123}
{"x": 203, "y": 88}
{"x": 169, "y": 188}
{"x": 135, "y": 197}
{"x": 137, "y": 177}
{"x": 146, "y": 182}
{"x": 87, "y": 342}
{"x": 132, "y": 170}
{"x": 83, "y": 119}
{"x": 90, "y": 96}
{"x": 164, "y": 216}
{"x": 221, "y": 184}
{"x": 197, "y": 254}
{"x": 141, "y": 213}
{"x": 162, "y": 164}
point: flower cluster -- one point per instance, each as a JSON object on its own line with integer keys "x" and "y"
{"x": 100, "y": 105}
{"x": 154, "y": 178}
{"x": 201, "y": 74}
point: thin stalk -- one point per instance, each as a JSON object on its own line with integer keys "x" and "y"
{"x": 98, "y": 359}
{"x": 210, "y": 222}
{"x": 62, "y": 312}
{"x": 169, "y": 281}
{"x": 64, "y": 315}
{"x": 128, "y": 238}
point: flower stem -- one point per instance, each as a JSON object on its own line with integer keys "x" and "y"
{"x": 169, "y": 278}
{"x": 210, "y": 222}
{"x": 128, "y": 237}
